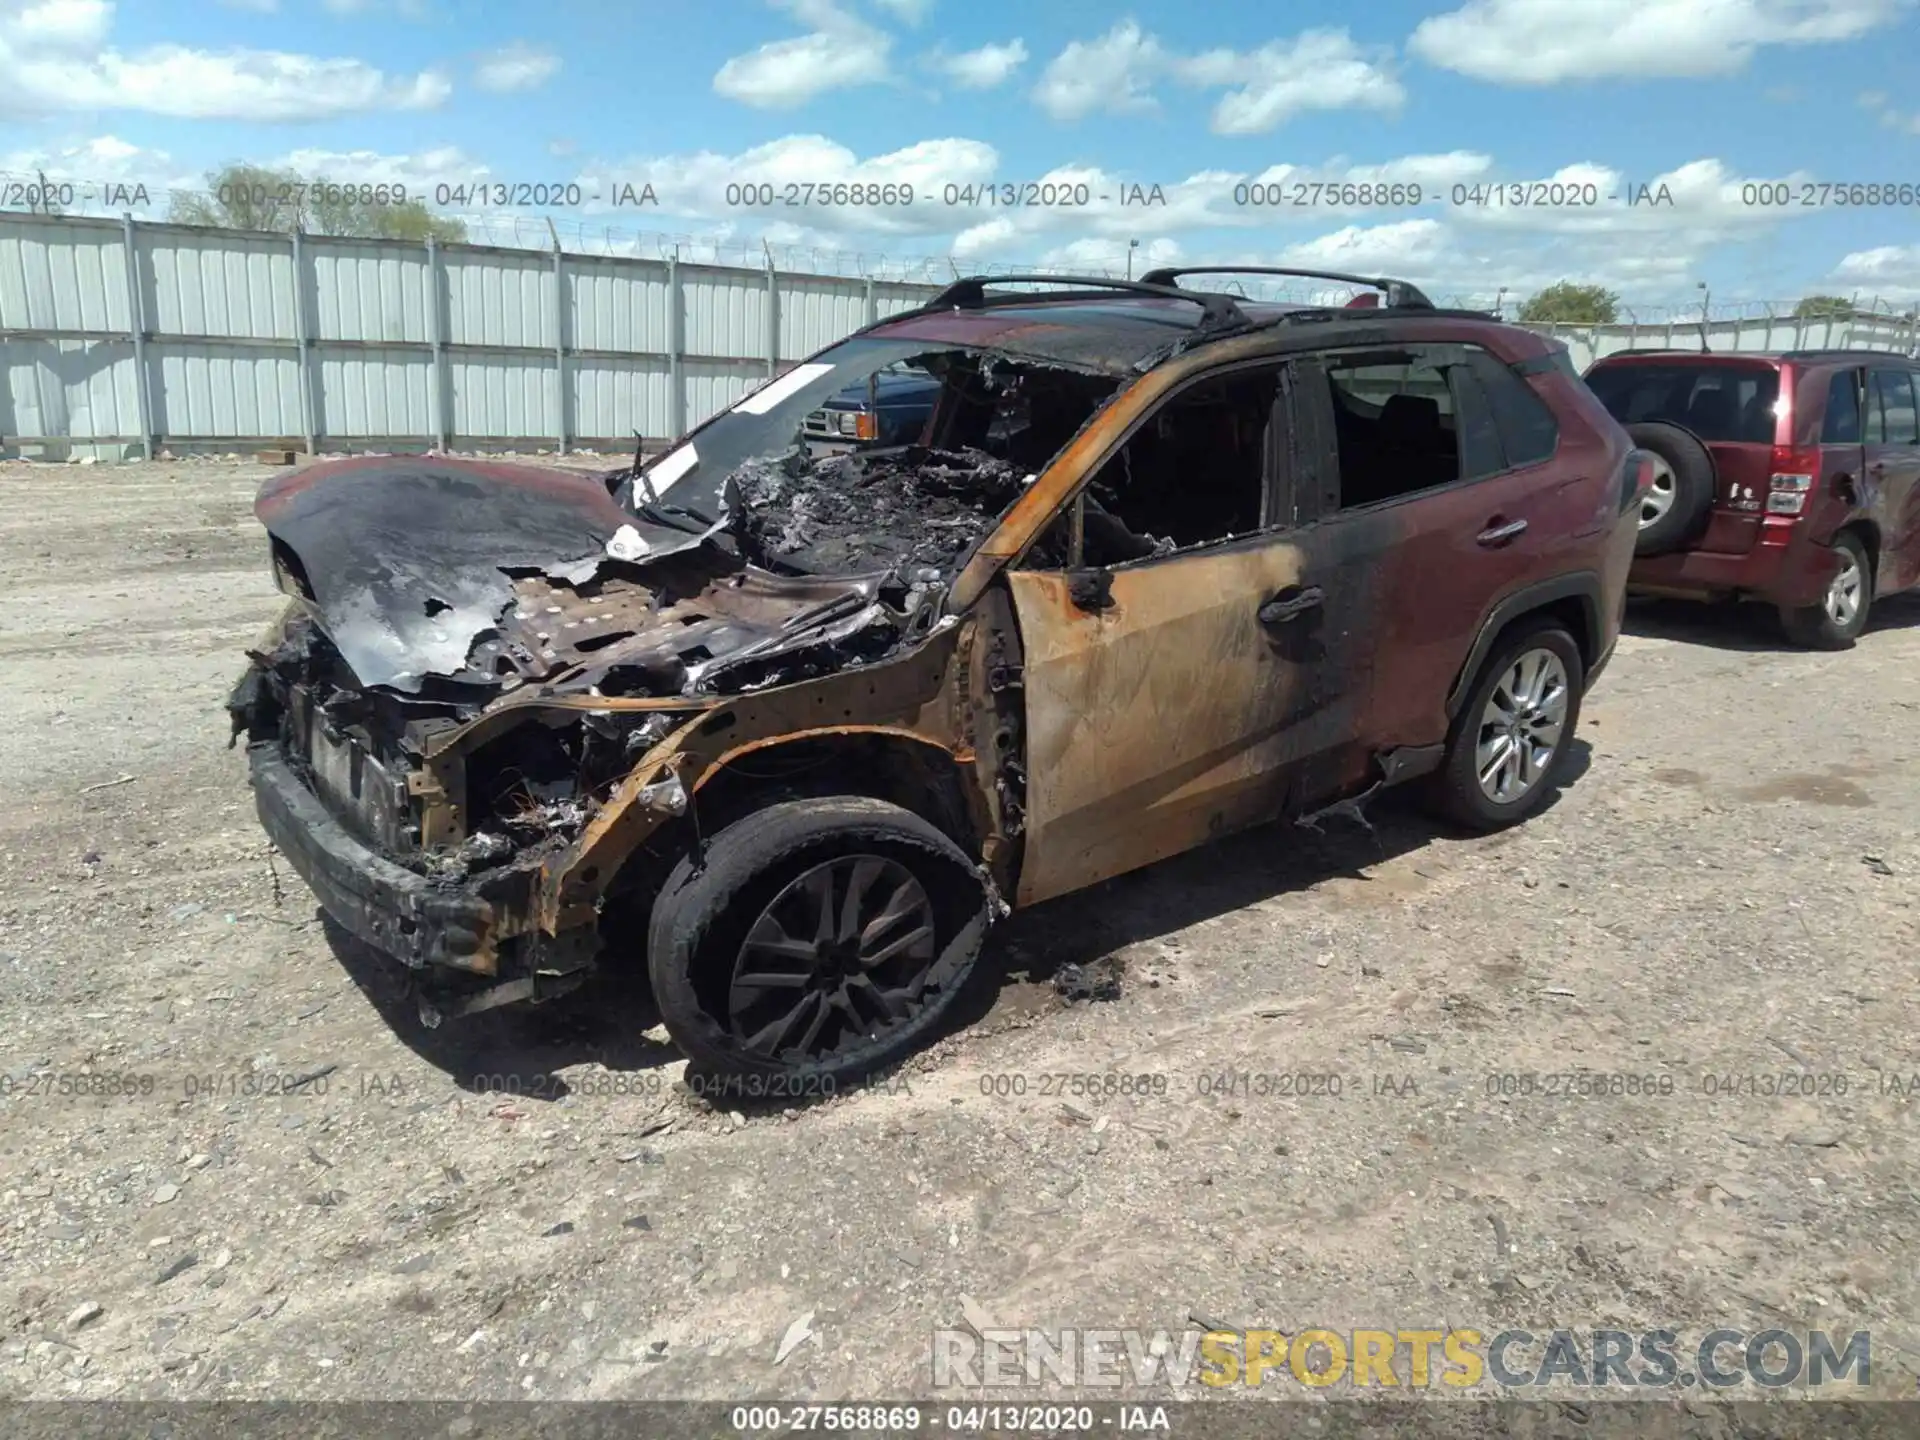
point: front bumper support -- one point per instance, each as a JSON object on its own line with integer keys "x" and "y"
{"x": 389, "y": 907}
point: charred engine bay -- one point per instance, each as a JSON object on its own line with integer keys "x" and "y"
{"x": 912, "y": 510}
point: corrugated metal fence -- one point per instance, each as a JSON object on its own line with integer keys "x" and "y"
{"x": 118, "y": 338}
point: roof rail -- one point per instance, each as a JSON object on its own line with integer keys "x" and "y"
{"x": 1398, "y": 292}
{"x": 970, "y": 293}
{"x": 1821, "y": 351}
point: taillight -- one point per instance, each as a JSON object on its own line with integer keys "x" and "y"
{"x": 1795, "y": 469}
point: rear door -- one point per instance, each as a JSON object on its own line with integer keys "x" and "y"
{"x": 1893, "y": 473}
{"x": 1430, "y": 533}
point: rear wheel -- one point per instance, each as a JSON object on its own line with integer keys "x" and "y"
{"x": 1509, "y": 741}
{"x": 821, "y": 939}
{"x": 1835, "y": 621}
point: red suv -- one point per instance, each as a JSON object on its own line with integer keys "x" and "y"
{"x": 1790, "y": 478}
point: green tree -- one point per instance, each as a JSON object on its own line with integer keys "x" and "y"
{"x": 1823, "y": 307}
{"x": 1569, "y": 304}
{"x": 255, "y": 197}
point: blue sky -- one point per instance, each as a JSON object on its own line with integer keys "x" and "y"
{"x": 1596, "y": 97}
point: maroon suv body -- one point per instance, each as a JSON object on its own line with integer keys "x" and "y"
{"x": 781, "y": 730}
{"x": 1788, "y": 478}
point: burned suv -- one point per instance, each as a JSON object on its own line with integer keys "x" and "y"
{"x": 1792, "y": 479}
{"x": 787, "y": 732}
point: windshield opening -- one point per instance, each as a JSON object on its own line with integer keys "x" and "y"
{"x": 877, "y": 455}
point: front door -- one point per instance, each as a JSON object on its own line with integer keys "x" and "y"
{"x": 1174, "y": 696}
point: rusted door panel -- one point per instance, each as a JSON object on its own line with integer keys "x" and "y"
{"x": 1173, "y": 715}
{"x": 1444, "y": 579}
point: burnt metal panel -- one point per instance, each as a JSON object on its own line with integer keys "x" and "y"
{"x": 1166, "y": 718}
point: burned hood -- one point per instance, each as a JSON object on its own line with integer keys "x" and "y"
{"x": 410, "y": 563}
{"x": 492, "y": 576}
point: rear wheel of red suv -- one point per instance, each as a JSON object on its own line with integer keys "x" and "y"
{"x": 1511, "y": 737}
{"x": 1836, "y": 621}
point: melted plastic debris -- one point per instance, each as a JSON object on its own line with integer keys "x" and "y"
{"x": 911, "y": 508}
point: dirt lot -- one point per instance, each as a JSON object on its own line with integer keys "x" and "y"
{"x": 1726, "y": 892}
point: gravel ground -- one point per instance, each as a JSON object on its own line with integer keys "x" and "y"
{"x": 531, "y": 1206}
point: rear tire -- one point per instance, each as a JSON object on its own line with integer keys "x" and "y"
{"x": 815, "y": 941}
{"x": 1674, "y": 509}
{"x": 1835, "y": 621}
{"x": 1508, "y": 744}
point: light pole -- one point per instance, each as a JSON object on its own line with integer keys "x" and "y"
{"x": 1132, "y": 245}
{"x": 1706, "y": 299}
{"x": 1500, "y": 304}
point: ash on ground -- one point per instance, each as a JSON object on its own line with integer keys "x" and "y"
{"x": 904, "y": 509}
{"x": 1096, "y": 980}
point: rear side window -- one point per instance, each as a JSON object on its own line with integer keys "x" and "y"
{"x": 1715, "y": 402}
{"x": 1482, "y": 452}
{"x": 1527, "y": 427}
{"x": 1842, "y": 423}
{"x": 1891, "y": 416}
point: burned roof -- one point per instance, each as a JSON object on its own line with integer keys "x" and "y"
{"x": 1109, "y": 337}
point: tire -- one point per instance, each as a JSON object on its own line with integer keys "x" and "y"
{"x": 1674, "y": 511}
{"x": 1835, "y": 621}
{"x": 763, "y": 873}
{"x": 1456, "y": 791}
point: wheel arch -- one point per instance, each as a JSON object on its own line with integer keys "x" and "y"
{"x": 877, "y": 762}
{"x": 1868, "y": 532}
{"x": 1573, "y": 599}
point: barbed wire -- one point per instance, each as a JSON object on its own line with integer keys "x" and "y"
{"x": 57, "y": 196}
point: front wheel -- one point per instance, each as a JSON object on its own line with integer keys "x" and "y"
{"x": 814, "y": 941}
{"x": 1513, "y": 733}
{"x": 1835, "y": 621}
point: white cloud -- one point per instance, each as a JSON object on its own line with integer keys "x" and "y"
{"x": 1888, "y": 272}
{"x": 1114, "y": 73}
{"x": 95, "y": 165}
{"x": 1549, "y": 42}
{"x": 446, "y": 164}
{"x": 406, "y": 9}
{"x": 1890, "y": 118}
{"x": 840, "y": 50}
{"x": 517, "y": 66}
{"x": 698, "y": 186}
{"x": 54, "y": 56}
{"x": 1110, "y": 257}
{"x": 984, "y": 68}
{"x": 1316, "y": 70}
{"x": 1400, "y": 247}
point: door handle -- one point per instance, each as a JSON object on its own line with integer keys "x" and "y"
{"x": 1291, "y": 603}
{"x": 1500, "y": 534}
